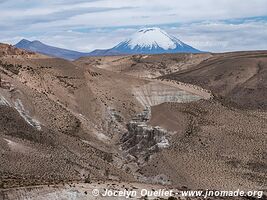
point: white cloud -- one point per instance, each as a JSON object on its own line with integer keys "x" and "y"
{"x": 221, "y": 36}
{"x": 169, "y": 10}
{"x": 89, "y": 24}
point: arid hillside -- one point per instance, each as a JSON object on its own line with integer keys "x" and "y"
{"x": 145, "y": 66}
{"x": 117, "y": 120}
{"x": 209, "y": 149}
{"x": 10, "y": 51}
{"x": 69, "y": 118}
{"x": 239, "y": 78}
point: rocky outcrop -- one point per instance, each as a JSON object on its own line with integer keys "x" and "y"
{"x": 141, "y": 141}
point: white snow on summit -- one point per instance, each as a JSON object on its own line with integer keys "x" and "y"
{"x": 148, "y": 41}
{"x": 153, "y": 37}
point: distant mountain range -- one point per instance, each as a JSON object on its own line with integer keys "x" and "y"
{"x": 39, "y": 47}
{"x": 145, "y": 41}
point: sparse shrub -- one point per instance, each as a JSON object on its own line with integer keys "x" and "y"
{"x": 172, "y": 198}
{"x": 87, "y": 179}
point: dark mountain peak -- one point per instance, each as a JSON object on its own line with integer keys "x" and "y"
{"x": 23, "y": 41}
{"x": 39, "y": 47}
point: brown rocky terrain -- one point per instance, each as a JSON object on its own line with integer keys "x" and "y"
{"x": 10, "y": 51}
{"x": 239, "y": 78}
{"x": 74, "y": 111}
{"x": 145, "y": 66}
{"x": 209, "y": 149}
{"x": 105, "y": 118}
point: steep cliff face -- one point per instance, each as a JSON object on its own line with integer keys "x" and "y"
{"x": 141, "y": 141}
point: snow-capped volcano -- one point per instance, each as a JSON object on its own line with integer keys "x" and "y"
{"x": 144, "y": 41}
{"x": 149, "y": 41}
{"x": 152, "y": 38}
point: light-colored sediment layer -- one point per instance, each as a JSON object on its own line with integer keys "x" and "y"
{"x": 15, "y": 101}
{"x": 155, "y": 93}
{"x": 193, "y": 89}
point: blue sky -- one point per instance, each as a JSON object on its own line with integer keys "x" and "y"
{"x": 218, "y": 26}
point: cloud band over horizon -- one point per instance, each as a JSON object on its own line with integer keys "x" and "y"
{"x": 217, "y": 26}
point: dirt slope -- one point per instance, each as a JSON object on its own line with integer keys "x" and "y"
{"x": 145, "y": 66}
{"x": 96, "y": 119}
{"x": 240, "y": 78}
{"x": 209, "y": 149}
{"x": 77, "y": 112}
